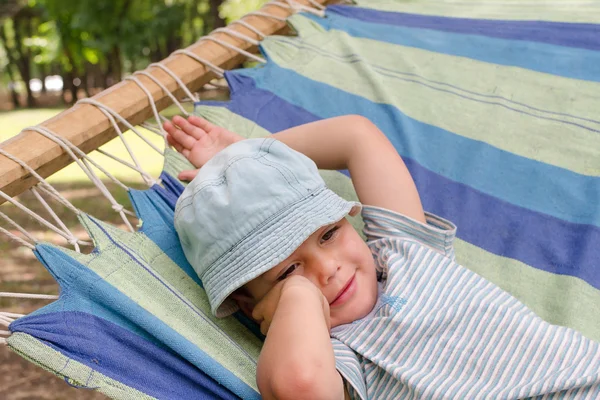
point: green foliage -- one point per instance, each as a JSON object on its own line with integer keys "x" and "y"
{"x": 231, "y": 10}
{"x": 116, "y": 36}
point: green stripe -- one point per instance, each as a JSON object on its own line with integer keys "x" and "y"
{"x": 565, "y": 11}
{"x": 422, "y": 98}
{"x": 78, "y": 374}
{"x": 214, "y": 336}
{"x": 558, "y": 299}
{"x": 175, "y": 162}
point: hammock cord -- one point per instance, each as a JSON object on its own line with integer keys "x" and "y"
{"x": 44, "y": 184}
{"x": 234, "y": 48}
{"x": 84, "y": 165}
{"x": 250, "y": 27}
{"x": 67, "y": 235}
{"x": 267, "y": 15}
{"x": 148, "y": 179}
{"x": 15, "y": 237}
{"x": 154, "y": 109}
{"x": 49, "y": 190}
{"x": 72, "y": 240}
{"x": 122, "y": 120}
{"x": 164, "y": 88}
{"x": 176, "y": 78}
{"x": 296, "y": 7}
{"x": 238, "y": 35}
{"x": 216, "y": 70}
{"x": 29, "y": 296}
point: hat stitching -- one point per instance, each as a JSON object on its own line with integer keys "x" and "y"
{"x": 215, "y": 182}
{"x": 293, "y": 176}
{"x": 327, "y": 212}
{"x": 290, "y": 184}
{"x": 280, "y": 257}
{"x": 222, "y": 297}
{"x": 272, "y": 164}
{"x": 260, "y": 253}
{"x": 262, "y": 224}
{"x": 188, "y": 200}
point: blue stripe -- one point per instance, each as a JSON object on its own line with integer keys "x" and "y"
{"x": 157, "y": 217}
{"x": 585, "y": 36}
{"x": 121, "y": 355}
{"x": 557, "y": 192}
{"x": 83, "y": 290}
{"x": 557, "y": 60}
{"x": 505, "y": 229}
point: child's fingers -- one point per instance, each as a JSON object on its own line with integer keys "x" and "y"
{"x": 179, "y": 137}
{"x": 201, "y": 123}
{"x": 188, "y": 128}
{"x": 174, "y": 143}
{"x": 188, "y": 175}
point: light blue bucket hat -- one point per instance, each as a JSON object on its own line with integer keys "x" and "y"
{"x": 248, "y": 209}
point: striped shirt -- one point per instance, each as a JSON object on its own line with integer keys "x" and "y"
{"x": 440, "y": 331}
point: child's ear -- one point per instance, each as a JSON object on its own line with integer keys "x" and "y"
{"x": 244, "y": 301}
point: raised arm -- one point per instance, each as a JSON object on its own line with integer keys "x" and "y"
{"x": 378, "y": 173}
{"x": 351, "y": 142}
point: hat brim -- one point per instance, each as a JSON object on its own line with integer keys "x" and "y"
{"x": 271, "y": 243}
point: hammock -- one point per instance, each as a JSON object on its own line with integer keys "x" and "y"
{"x": 494, "y": 114}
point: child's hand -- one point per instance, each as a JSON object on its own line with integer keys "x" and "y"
{"x": 198, "y": 140}
{"x": 295, "y": 285}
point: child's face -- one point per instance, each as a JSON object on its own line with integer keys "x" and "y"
{"x": 338, "y": 261}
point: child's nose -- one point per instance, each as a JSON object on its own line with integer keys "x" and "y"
{"x": 327, "y": 269}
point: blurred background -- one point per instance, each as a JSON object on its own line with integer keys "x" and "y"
{"x": 53, "y": 52}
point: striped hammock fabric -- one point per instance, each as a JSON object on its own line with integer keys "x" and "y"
{"x": 493, "y": 107}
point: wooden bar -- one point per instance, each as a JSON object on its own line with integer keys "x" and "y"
{"x": 88, "y": 128}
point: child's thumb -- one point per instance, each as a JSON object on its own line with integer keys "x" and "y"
{"x": 188, "y": 175}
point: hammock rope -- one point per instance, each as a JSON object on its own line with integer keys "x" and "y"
{"x": 152, "y": 105}
{"x": 177, "y": 79}
{"x": 15, "y": 237}
{"x": 122, "y": 120}
{"x": 238, "y": 35}
{"x": 249, "y": 27}
{"x": 84, "y": 165}
{"x": 235, "y": 48}
{"x": 72, "y": 240}
{"x": 164, "y": 88}
{"x": 216, "y": 70}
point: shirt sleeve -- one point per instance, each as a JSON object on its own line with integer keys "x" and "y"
{"x": 348, "y": 365}
{"x": 438, "y": 233}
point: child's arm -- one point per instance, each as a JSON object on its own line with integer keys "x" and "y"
{"x": 296, "y": 361}
{"x": 353, "y": 142}
{"x": 378, "y": 173}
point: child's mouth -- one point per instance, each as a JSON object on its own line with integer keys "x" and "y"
{"x": 344, "y": 294}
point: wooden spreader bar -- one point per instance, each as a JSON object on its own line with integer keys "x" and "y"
{"x": 88, "y": 128}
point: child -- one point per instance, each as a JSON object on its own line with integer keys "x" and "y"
{"x": 392, "y": 318}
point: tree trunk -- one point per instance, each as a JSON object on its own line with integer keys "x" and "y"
{"x": 44, "y": 72}
{"x": 11, "y": 61}
{"x": 24, "y": 61}
{"x": 216, "y": 20}
{"x": 13, "y": 93}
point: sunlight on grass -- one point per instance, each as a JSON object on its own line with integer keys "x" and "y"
{"x": 151, "y": 161}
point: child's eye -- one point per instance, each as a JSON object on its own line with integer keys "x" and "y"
{"x": 329, "y": 234}
{"x": 288, "y": 272}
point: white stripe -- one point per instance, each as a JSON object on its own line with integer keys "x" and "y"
{"x": 461, "y": 393}
{"x": 457, "y": 364}
{"x": 421, "y": 358}
{"x": 480, "y": 348}
{"x": 541, "y": 350}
